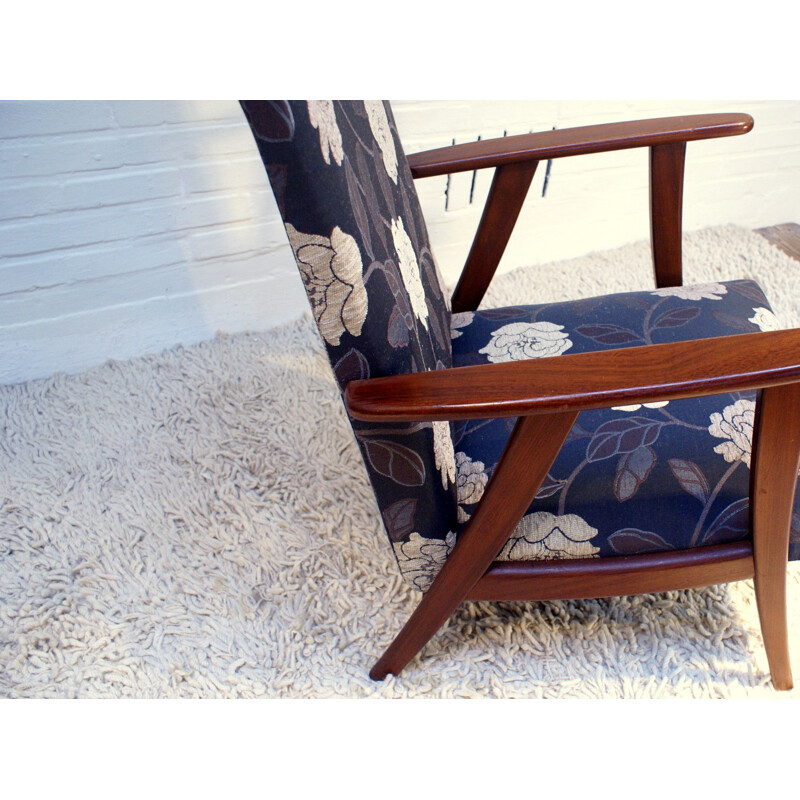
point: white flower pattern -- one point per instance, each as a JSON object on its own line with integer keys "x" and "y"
{"x": 463, "y": 319}
{"x": 735, "y": 424}
{"x": 697, "y": 291}
{"x": 543, "y": 535}
{"x": 521, "y": 340}
{"x": 765, "y": 319}
{"x": 420, "y": 559}
{"x": 332, "y": 273}
{"x": 379, "y": 123}
{"x": 323, "y": 117}
{"x": 443, "y": 452}
{"x": 409, "y": 269}
{"x": 471, "y": 479}
{"x": 637, "y": 406}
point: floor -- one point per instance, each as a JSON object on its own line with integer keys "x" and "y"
{"x": 786, "y": 236}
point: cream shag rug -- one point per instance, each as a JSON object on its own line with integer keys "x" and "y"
{"x": 199, "y": 524}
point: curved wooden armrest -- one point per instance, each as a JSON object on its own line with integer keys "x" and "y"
{"x": 585, "y": 380}
{"x": 516, "y": 157}
{"x": 576, "y": 141}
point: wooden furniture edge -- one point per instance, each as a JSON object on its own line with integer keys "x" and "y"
{"x": 564, "y": 142}
{"x": 615, "y": 575}
{"x": 509, "y": 188}
{"x": 666, "y": 211}
{"x": 597, "y": 379}
{"x": 774, "y": 461}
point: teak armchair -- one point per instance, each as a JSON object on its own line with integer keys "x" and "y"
{"x": 505, "y": 467}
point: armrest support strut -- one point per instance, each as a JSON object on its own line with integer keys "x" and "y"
{"x": 516, "y": 157}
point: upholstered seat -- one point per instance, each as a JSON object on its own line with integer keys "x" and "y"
{"x": 629, "y": 479}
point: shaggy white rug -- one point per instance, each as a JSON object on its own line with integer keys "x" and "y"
{"x": 191, "y": 524}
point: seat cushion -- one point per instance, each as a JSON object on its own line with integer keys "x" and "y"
{"x": 630, "y": 479}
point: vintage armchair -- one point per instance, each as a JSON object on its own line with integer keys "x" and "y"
{"x": 639, "y": 442}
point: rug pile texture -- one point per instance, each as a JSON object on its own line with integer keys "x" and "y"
{"x": 185, "y": 525}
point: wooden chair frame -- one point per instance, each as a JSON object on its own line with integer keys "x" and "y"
{"x": 547, "y": 394}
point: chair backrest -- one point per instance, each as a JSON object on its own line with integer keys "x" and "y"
{"x": 347, "y": 199}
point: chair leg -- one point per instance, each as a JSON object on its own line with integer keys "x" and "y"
{"x": 531, "y": 449}
{"x": 771, "y": 600}
{"x": 776, "y": 455}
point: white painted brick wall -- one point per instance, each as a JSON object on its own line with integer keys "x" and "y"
{"x": 127, "y": 227}
{"x": 601, "y": 201}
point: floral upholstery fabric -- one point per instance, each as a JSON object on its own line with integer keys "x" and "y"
{"x": 628, "y": 480}
{"x": 348, "y": 203}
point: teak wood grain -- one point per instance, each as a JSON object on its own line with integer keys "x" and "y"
{"x": 666, "y": 205}
{"x": 506, "y": 196}
{"x": 773, "y": 480}
{"x": 576, "y": 141}
{"x": 786, "y": 237}
{"x": 615, "y": 576}
{"x": 586, "y": 380}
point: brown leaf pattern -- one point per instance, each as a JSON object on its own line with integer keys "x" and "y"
{"x": 632, "y": 471}
{"x": 395, "y": 461}
{"x": 690, "y": 477}
{"x": 399, "y": 518}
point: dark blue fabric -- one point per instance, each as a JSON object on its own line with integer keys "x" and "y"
{"x": 347, "y": 199}
{"x": 645, "y": 479}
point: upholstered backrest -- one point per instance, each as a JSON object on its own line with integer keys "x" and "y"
{"x": 351, "y": 213}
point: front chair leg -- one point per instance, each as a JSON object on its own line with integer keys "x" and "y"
{"x": 773, "y": 480}
{"x": 531, "y": 449}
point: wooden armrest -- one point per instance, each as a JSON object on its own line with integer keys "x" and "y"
{"x": 576, "y": 141}
{"x": 582, "y": 381}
